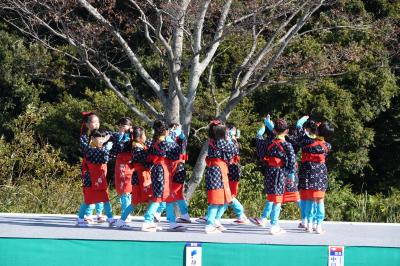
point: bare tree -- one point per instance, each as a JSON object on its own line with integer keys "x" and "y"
{"x": 175, "y": 31}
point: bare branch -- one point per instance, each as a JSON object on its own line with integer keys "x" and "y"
{"x": 238, "y": 94}
{"x": 131, "y": 55}
{"x": 135, "y": 93}
{"x": 125, "y": 100}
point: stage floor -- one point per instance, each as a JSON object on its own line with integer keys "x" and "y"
{"x": 337, "y": 233}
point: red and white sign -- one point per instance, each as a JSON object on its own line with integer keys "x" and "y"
{"x": 336, "y": 256}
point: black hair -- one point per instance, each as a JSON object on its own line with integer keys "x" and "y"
{"x": 159, "y": 127}
{"x": 125, "y": 121}
{"x": 230, "y": 125}
{"x": 312, "y": 126}
{"x": 98, "y": 133}
{"x": 325, "y": 130}
{"x": 280, "y": 125}
{"x": 172, "y": 125}
{"x": 217, "y": 131}
{"x": 137, "y": 133}
{"x": 86, "y": 117}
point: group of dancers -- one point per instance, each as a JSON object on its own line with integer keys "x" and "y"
{"x": 152, "y": 172}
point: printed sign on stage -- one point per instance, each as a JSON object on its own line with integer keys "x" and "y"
{"x": 336, "y": 256}
{"x": 193, "y": 254}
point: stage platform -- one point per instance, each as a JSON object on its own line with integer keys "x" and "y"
{"x": 42, "y": 239}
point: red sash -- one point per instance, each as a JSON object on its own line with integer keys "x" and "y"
{"x": 314, "y": 157}
{"x": 275, "y": 161}
{"x": 220, "y": 196}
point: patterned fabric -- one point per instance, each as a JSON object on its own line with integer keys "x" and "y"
{"x": 157, "y": 179}
{"x": 84, "y": 144}
{"x": 275, "y": 177}
{"x": 121, "y": 143}
{"x": 214, "y": 178}
{"x": 135, "y": 179}
{"x": 262, "y": 145}
{"x": 180, "y": 174}
{"x": 292, "y": 186}
{"x": 312, "y": 175}
{"x": 170, "y": 150}
{"x": 87, "y": 182}
{"x": 234, "y": 172}
{"x": 97, "y": 155}
{"x": 183, "y": 143}
{"x": 139, "y": 154}
{"x": 221, "y": 149}
{"x": 234, "y": 169}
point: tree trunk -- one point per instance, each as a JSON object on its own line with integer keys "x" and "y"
{"x": 172, "y": 112}
{"x": 198, "y": 172}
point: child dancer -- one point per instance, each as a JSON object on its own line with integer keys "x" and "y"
{"x": 220, "y": 152}
{"x": 123, "y": 169}
{"x": 178, "y": 177}
{"x": 95, "y": 187}
{"x": 234, "y": 177}
{"x": 162, "y": 154}
{"x": 260, "y": 148}
{"x": 90, "y": 122}
{"x": 292, "y": 184}
{"x": 281, "y": 164}
{"x": 141, "y": 179}
{"x": 179, "y": 174}
{"x": 313, "y": 176}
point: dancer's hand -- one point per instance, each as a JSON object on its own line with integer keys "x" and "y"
{"x": 291, "y": 178}
{"x": 261, "y": 131}
{"x": 268, "y": 123}
{"x": 109, "y": 146}
{"x": 301, "y": 121}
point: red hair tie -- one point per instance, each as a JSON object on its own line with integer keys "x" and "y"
{"x": 215, "y": 122}
{"x": 86, "y": 114}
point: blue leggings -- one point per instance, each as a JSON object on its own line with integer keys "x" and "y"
{"x": 98, "y": 206}
{"x": 237, "y": 208}
{"x": 320, "y": 212}
{"x": 302, "y": 205}
{"x": 267, "y": 209}
{"x": 314, "y": 211}
{"x": 276, "y": 210}
{"x": 128, "y": 210}
{"x": 235, "y": 205}
{"x": 84, "y": 207}
{"x": 153, "y": 208}
{"x": 215, "y": 211}
{"x": 183, "y": 208}
{"x": 125, "y": 200}
{"x": 161, "y": 208}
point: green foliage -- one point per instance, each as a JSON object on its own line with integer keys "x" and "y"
{"x": 61, "y": 123}
{"x": 33, "y": 177}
